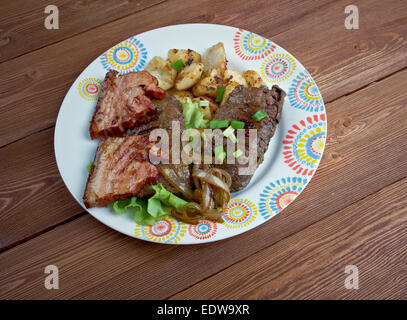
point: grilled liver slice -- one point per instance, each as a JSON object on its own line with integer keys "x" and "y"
{"x": 241, "y": 105}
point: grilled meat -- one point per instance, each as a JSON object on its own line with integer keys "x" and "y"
{"x": 242, "y": 104}
{"x": 169, "y": 109}
{"x": 121, "y": 169}
{"x": 123, "y": 103}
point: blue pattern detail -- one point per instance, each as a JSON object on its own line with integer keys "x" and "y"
{"x": 269, "y": 198}
{"x": 304, "y": 94}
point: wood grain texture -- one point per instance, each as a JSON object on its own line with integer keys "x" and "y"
{"x": 32, "y": 194}
{"x": 341, "y": 60}
{"x": 96, "y": 262}
{"x": 21, "y": 19}
{"x": 370, "y": 234}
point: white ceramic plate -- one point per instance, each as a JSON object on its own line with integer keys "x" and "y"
{"x": 290, "y": 162}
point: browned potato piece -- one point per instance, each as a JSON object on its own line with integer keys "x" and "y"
{"x": 234, "y": 76}
{"x": 212, "y": 103}
{"x": 253, "y": 79}
{"x": 189, "y": 76}
{"x": 228, "y": 90}
{"x": 215, "y": 58}
{"x": 206, "y": 110}
{"x": 181, "y": 96}
{"x": 208, "y": 86}
{"x": 162, "y": 70}
{"x": 187, "y": 56}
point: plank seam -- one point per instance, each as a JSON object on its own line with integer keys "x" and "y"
{"x": 289, "y": 235}
{"x": 76, "y": 34}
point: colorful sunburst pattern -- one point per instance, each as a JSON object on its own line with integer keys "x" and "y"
{"x": 167, "y": 230}
{"x": 304, "y": 143}
{"x": 127, "y": 56}
{"x": 90, "y": 88}
{"x": 251, "y": 46}
{"x": 239, "y": 213}
{"x": 278, "y": 67}
{"x": 304, "y": 94}
{"x": 203, "y": 230}
{"x": 279, "y": 194}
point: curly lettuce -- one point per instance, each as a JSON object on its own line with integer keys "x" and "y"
{"x": 193, "y": 115}
{"x": 147, "y": 212}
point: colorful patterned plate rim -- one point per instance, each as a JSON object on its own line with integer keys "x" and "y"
{"x": 290, "y": 162}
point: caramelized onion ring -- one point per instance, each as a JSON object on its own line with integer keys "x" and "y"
{"x": 170, "y": 175}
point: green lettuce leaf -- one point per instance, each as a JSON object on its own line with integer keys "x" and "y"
{"x": 147, "y": 212}
{"x": 193, "y": 115}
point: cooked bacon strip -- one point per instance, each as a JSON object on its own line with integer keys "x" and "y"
{"x": 120, "y": 170}
{"x": 123, "y": 103}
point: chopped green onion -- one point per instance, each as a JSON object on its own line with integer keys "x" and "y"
{"x": 228, "y": 131}
{"x": 178, "y": 65}
{"x": 220, "y": 153}
{"x": 204, "y": 103}
{"x": 221, "y": 91}
{"x": 237, "y": 124}
{"x": 218, "y": 124}
{"x": 237, "y": 153}
{"x": 89, "y": 166}
{"x": 259, "y": 115}
{"x": 229, "y": 134}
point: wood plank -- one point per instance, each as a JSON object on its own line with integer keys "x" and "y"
{"x": 32, "y": 194}
{"x": 21, "y": 19}
{"x": 363, "y": 127}
{"x": 370, "y": 234}
{"x": 341, "y": 60}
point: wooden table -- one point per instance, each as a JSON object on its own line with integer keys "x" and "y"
{"x": 352, "y": 213}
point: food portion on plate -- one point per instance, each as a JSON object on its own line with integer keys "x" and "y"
{"x": 210, "y": 115}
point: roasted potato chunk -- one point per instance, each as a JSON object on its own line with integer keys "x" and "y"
{"x": 162, "y": 70}
{"x": 215, "y": 58}
{"x": 189, "y": 76}
{"x": 253, "y": 79}
{"x": 234, "y": 76}
{"x": 187, "y": 56}
{"x": 181, "y": 96}
{"x": 228, "y": 90}
{"x": 207, "y": 114}
{"x": 212, "y": 103}
{"x": 208, "y": 110}
{"x": 208, "y": 86}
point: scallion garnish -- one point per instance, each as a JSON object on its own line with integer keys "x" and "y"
{"x": 89, "y": 166}
{"x": 221, "y": 91}
{"x": 220, "y": 153}
{"x": 259, "y": 115}
{"x": 237, "y": 153}
{"x": 229, "y": 134}
{"x": 228, "y": 131}
{"x": 237, "y": 124}
{"x": 218, "y": 124}
{"x": 178, "y": 65}
{"x": 204, "y": 103}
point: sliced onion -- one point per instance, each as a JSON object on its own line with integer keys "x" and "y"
{"x": 170, "y": 175}
{"x": 208, "y": 200}
{"x": 211, "y": 179}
